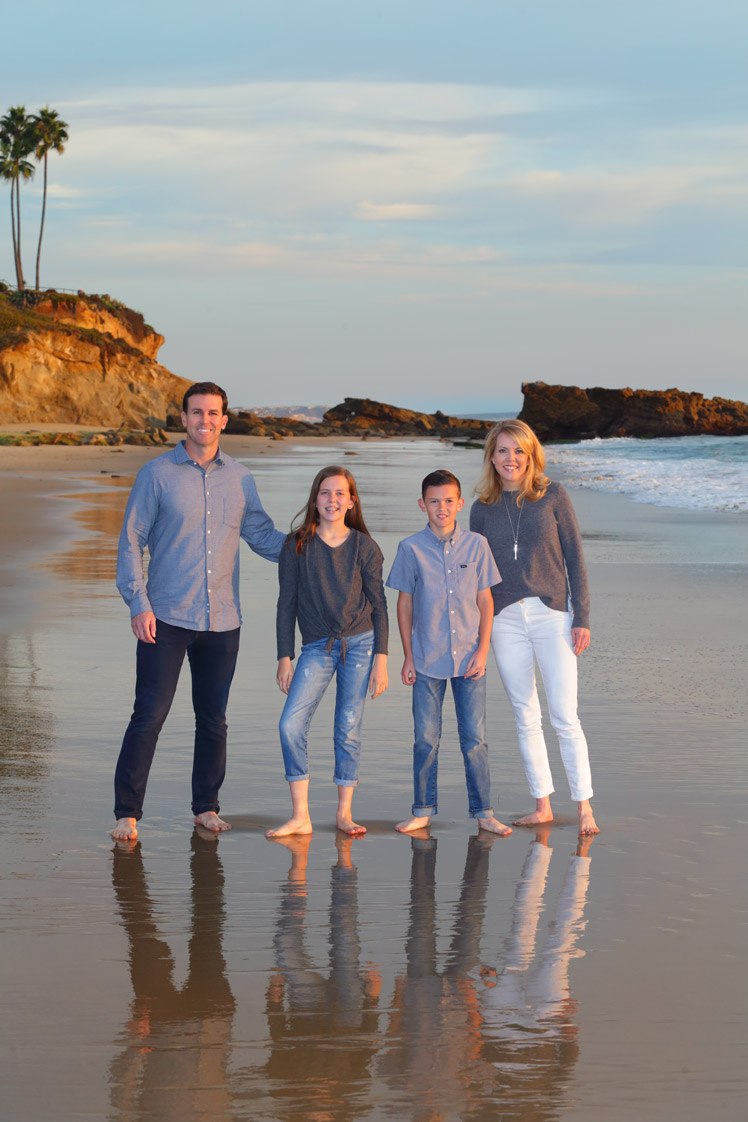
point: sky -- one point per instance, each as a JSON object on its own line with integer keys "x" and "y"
{"x": 422, "y": 203}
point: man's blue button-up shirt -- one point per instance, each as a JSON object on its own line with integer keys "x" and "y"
{"x": 190, "y": 520}
{"x": 444, "y": 576}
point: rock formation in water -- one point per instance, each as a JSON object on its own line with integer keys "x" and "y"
{"x": 571, "y": 413}
{"x": 84, "y": 360}
{"x": 357, "y": 416}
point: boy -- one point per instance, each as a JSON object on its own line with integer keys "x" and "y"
{"x": 445, "y": 614}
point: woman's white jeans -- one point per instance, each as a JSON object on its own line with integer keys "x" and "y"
{"x": 523, "y": 632}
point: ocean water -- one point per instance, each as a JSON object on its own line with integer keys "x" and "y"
{"x": 690, "y": 472}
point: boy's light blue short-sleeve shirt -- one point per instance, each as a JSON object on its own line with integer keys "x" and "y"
{"x": 444, "y": 576}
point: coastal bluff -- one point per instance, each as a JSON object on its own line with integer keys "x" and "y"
{"x": 571, "y": 413}
{"x": 81, "y": 359}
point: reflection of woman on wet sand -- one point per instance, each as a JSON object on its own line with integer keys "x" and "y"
{"x": 175, "y": 1046}
{"x": 322, "y": 1025}
{"x": 528, "y": 1014}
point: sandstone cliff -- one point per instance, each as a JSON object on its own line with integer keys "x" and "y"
{"x": 82, "y": 360}
{"x": 571, "y": 413}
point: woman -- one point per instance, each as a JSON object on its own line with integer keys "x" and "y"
{"x": 541, "y": 607}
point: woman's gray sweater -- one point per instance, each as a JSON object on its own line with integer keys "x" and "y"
{"x": 549, "y": 548}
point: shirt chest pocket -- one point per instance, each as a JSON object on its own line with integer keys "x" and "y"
{"x": 465, "y": 574}
{"x": 229, "y": 511}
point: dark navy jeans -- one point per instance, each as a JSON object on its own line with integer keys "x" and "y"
{"x": 212, "y": 657}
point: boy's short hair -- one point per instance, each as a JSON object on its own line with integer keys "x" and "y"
{"x": 440, "y": 479}
{"x": 203, "y": 388}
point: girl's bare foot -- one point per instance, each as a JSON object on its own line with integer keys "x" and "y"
{"x": 587, "y": 823}
{"x": 411, "y": 824}
{"x": 542, "y": 813}
{"x": 296, "y": 825}
{"x": 493, "y": 826}
{"x": 210, "y": 820}
{"x": 125, "y": 830}
{"x": 345, "y": 823}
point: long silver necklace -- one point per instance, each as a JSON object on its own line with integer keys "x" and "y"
{"x": 514, "y": 535}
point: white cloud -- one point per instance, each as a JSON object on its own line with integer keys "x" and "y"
{"x": 394, "y": 212}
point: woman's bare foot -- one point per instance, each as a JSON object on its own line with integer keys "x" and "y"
{"x": 210, "y": 820}
{"x": 125, "y": 830}
{"x": 411, "y": 824}
{"x": 300, "y": 824}
{"x": 587, "y": 823}
{"x": 345, "y": 823}
{"x": 493, "y": 826}
{"x": 542, "y": 813}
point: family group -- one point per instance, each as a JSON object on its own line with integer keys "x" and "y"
{"x": 515, "y": 583}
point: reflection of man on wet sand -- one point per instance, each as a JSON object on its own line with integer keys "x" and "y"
{"x": 176, "y": 1044}
{"x": 188, "y": 508}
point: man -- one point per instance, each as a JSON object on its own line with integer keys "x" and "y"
{"x": 188, "y": 507}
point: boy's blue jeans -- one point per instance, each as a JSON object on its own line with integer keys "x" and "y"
{"x": 470, "y": 706}
{"x": 313, "y": 674}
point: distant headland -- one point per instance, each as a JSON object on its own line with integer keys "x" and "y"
{"x": 73, "y": 358}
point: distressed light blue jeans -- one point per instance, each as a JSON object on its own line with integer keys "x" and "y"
{"x": 314, "y": 672}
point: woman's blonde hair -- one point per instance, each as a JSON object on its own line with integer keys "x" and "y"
{"x": 534, "y": 484}
{"x": 309, "y": 515}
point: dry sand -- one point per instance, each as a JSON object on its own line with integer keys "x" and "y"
{"x": 389, "y": 978}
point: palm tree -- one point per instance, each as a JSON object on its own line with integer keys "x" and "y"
{"x": 16, "y": 142}
{"x": 50, "y": 135}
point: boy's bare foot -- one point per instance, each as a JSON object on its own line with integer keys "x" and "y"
{"x": 300, "y": 825}
{"x": 541, "y": 814}
{"x": 587, "y": 823}
{"x": 210, "y": 820}
{"x": 493, "y": 826}
{"x": 345, "y": 823}
{"x": 411, "y": 824}
{"x": 125, "y": 830}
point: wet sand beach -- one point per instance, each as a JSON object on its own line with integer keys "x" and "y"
{"x": 387, "y": 977}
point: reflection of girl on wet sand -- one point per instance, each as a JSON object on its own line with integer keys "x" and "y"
{"x": 527, "y": 1013}
{"x": 322, "y": 1026}
{"x": 174, "y": 1058}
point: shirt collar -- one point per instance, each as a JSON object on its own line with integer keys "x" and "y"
{"x": 181, "y": 455}
{"x": 435, "y": 539}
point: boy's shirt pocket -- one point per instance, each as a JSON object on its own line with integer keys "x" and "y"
{"x": 467, "y": 576}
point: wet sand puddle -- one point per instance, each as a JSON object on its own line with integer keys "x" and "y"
{"x": 442, "y": 977}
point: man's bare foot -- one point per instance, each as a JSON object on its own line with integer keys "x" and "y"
{"x": 345, "y": 823}
{"x": 295, "y": 825}
{"x": 411, "y": 824}
{"x": 210, "y": 820}
{"x": 541, "y": 814}
{"x": 587, "y": 823}
{"x": 493, "y": 826}
{"x": 125, "y": 830}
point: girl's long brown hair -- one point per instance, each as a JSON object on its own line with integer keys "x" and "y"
{"x": 309, "y": 515}
{"x": 534, "y": 485}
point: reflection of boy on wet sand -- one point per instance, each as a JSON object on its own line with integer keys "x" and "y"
{"x": 433, "y": 1060}
{"x": 335, "y": 1012}
{"x": 175, "y": 1047}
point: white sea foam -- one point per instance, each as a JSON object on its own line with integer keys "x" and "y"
{"x": 693, "y": 472}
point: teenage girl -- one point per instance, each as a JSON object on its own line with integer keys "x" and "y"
{"x": 330, "y": 573}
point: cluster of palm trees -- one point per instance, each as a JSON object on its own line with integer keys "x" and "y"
{"x": 21, "y": 137}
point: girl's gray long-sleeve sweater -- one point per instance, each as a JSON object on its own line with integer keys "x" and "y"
{"x": 333, "y": 592}
{"x": 549, "y": 546}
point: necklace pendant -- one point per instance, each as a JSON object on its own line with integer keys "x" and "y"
{"x": 515, "y": 551}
